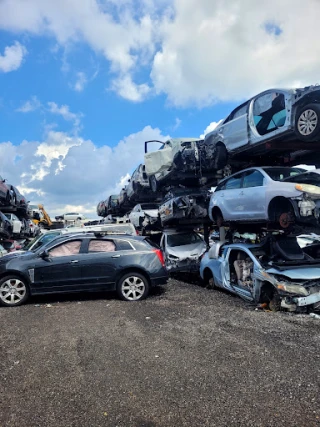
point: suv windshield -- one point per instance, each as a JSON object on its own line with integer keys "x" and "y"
{"x": 278, "y": 174}
{"x": 150, "y": 206}
{"x": 183, "y": 239}
{"x": 40, "y": 240}
{"x": 311, "y": 178}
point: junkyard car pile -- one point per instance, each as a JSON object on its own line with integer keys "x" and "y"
{"x": 15, "y": 218}
{"x": 250, "y": 158}
{"x": 261, "y": 203}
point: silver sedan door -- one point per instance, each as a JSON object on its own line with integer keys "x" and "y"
{"x": 230, "y": 203}
{"x": 235, "y": 129}
{"x": 253, "y": 196}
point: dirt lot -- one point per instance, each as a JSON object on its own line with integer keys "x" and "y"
{"x": 187, "y": 356}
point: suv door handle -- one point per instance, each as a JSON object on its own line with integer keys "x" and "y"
{"x": 74, "y": 261}
{"x": 115, "y": 256}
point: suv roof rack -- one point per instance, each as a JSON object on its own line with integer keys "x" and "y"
{"x": 110, "y": 233}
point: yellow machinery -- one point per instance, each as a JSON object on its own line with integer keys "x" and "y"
{"x": 43, "y": 220}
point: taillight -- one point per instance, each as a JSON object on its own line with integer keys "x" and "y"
{"x": 137, "y": 233}
{"x": 160, "y": 256}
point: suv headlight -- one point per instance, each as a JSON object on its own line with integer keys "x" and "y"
{"x": 308, "y": 188}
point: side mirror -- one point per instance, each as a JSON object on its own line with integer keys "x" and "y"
{"x": 44, "y": 254}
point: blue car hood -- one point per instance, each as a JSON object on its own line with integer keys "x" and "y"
{"x": 310, "y": 273}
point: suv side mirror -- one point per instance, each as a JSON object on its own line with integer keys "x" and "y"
{"x": 44, "y": 254}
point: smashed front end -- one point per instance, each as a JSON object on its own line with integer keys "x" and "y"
{"x": 199, "y": 157}
{"x": 185, "y": 207}
{"x": 175, "y": 264}
{"x": 299, "y": 296}
{"x": 151, "y": 222}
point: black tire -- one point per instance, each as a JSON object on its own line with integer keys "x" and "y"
{"x": 140, "y": 223}
{"x": 307, "y": 125}
{"x": 8, "y": 199}
{"x": 221, "y": 156}
{"x": 212, "y": 283}
{"x": 135, "y": 187}
{"x": 139, "y": 283}
{"x": 275, "y": 302}
{"x": 78, "y": 219}
{"x": 153, "y": 183}
{"x": 41, "y": 225}
{"x": 19, "y": 288}
{"x": 218, "y": 218}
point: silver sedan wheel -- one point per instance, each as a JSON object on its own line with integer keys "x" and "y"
{"x": 133, "y": 288}
{"x": 12, "y": 291}
{"x": 307, "y": 122}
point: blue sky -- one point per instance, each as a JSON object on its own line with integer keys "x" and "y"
{"x": 84, "y": 83}
{"x": 107, "y": 117}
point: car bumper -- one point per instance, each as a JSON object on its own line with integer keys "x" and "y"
{"x": 310, "y": 299}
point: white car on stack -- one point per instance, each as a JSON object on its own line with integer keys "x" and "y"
{"x": 15, "y": 222}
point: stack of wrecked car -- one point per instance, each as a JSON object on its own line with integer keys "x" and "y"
{"x": 187, "y": 161}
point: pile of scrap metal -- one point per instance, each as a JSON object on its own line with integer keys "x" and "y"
{"x": 15, "y": 213}
{"x": 277, "y": 127}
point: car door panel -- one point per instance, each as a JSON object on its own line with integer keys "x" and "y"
{"x": 253, "y": 201}
{"x": 100, "y": 269}
{"x": 235, "y": 133}
{"x": 230, "y": 200}
{"x": 253, "y": 196}
{"x": 57, "y": 273}
{"x": 281, "y": 119}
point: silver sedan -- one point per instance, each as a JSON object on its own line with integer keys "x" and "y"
{"x": 267, "y": 194}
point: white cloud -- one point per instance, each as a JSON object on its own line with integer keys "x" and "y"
{"x": 12, "y": 57}
{"x": 213, "y": 50}
{"x": 31, "y": 105}
{"x": 199, "y": 51}
{"x": 127, "y": 89}
{"x": 122, "y": 37}
{"x": 65, "y": 112}
{"x": 64, "y": 170}
{"x": 210, "y": 128}
{"x": 80, "y": 82}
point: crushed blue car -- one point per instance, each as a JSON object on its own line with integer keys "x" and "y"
{"x": 276, "y": 272}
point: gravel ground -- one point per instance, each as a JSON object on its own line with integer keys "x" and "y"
{"x": 186, "y": 356}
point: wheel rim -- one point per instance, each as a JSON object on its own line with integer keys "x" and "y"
{"x": 133, "y": 288}
{"x": 12, "y": 291}
{"x": 307, "y": 122}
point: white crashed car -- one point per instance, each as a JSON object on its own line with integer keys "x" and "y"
{"x": 144, "y": 214}
{"x": 187, "y": 160}
{"x": 182, "y": 250}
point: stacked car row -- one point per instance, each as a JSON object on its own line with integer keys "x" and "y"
{"x": 276, "y": 127}
{"x": 15, "y": 213}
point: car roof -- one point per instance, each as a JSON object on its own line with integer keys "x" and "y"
{"x": 91, "y": 235}
{"x": 261, "y": 168}
{"x": 242, "y": 245}
{"x": 179, "y": 231}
